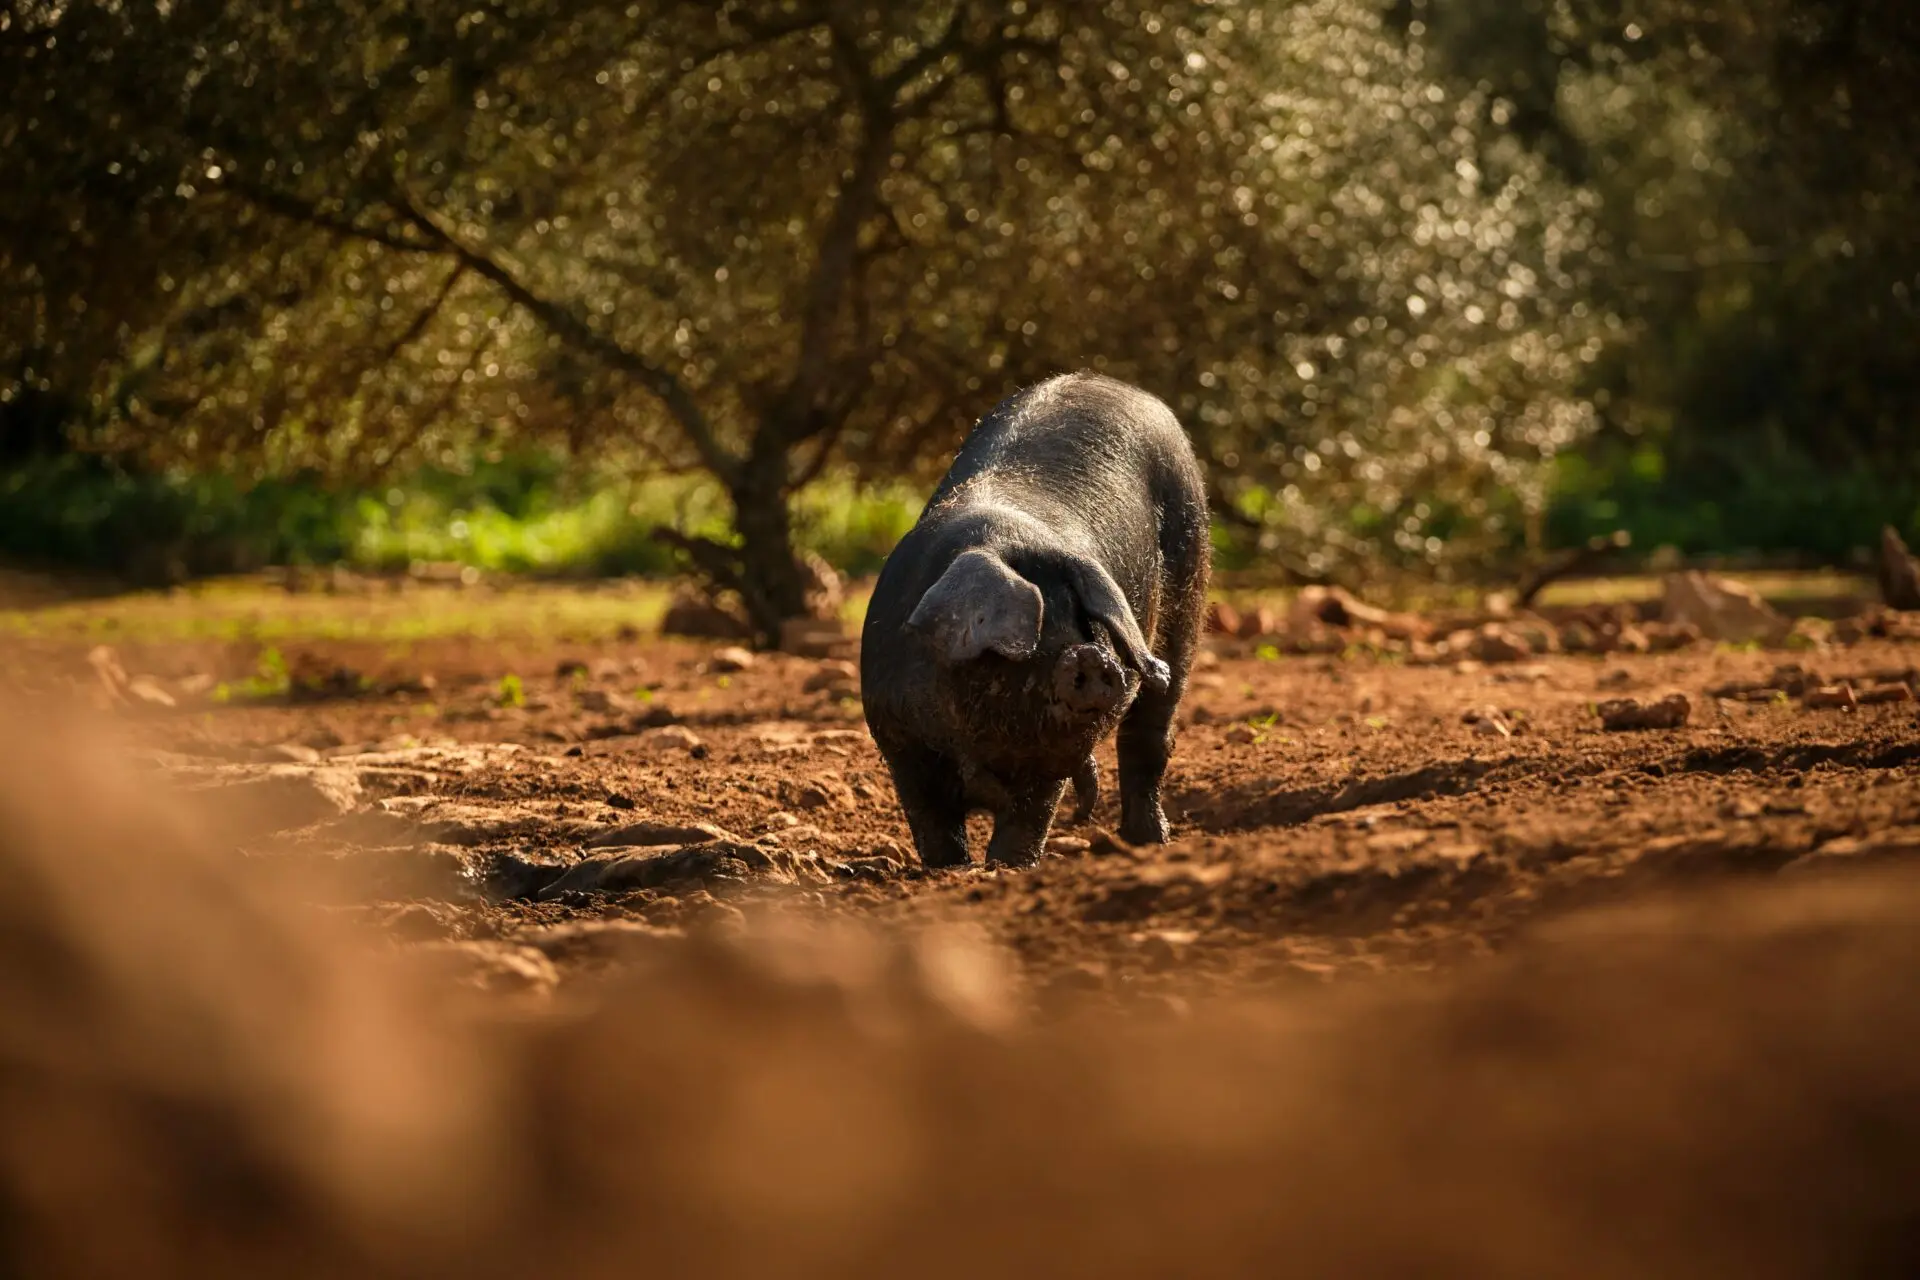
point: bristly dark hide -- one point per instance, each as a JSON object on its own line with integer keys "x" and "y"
{"x": 1081, "y": 496}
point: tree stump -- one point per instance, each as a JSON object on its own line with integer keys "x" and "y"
{"x": 1899, "y": 572}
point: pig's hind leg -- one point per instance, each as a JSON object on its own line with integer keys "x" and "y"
{"x": 1020, "y": 825}
{"x": 1145, "y": 743}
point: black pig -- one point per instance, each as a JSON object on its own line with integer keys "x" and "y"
{"x": 1053, "y": 588}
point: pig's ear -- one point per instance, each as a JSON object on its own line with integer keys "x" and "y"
{"x": 1100, "y": 596}
{"x": 980, "y": 604}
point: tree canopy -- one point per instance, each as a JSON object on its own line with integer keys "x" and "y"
{"x": 1753, "y": 168}
{"x": 765, "y": 238}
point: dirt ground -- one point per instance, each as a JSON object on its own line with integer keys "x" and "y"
{"x": 552, "y": 948}
{"x": 1335, "y": 815}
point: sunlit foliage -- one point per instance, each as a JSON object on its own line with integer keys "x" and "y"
{"x": 765, "y": 238}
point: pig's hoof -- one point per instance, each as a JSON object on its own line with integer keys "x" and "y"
{"x": 1158, "y": 677}
{"x": 1144, "y": 826}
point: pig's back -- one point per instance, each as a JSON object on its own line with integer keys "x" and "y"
{"x": 1082, "y": 448}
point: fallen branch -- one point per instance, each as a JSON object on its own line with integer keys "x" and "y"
{"x": 1573, "y": 560}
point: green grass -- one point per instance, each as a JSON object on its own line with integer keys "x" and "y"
{"x": 525, "y": 515}
{"x": 248, "y": 610}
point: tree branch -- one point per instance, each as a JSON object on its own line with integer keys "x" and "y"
{"x": 294, "y": 209}
{"x": 840, "y": 242}
{"x": 715, "y": 561}
{"x": 569, "y": 325}
{"x": 420, "y": 322}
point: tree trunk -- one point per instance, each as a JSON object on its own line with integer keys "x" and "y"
{"x": 772, "y": 585}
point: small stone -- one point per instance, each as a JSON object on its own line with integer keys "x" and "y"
{"x": 1631, "y": 639}
{"x": 1578, "y": 637}
{"x": 821, "y": 793}
{"x": 1494, "y": 643}
{"x": 1162, "y": 949}
{"x": 575, "y": 751}
{"x": 729, "y": 660}
{"x": 1886, "y": 693}
{"x": 675, "y": 736}
{"x": 833, "y": 673}
{"x": 1257, "y": 622}
{"x": 1241, "y": 735}
{"x": 1067, "y": 846}
{"x": 618, "y": 801}
{"x": 1623, "y": 714}
{"x": 1672, "y": 637}
{"x": 598, "y": 701}
{"x": 1839, "y": 697}
{"x": 1493, "y": 725}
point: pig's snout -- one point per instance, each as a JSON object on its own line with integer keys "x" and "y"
{"x": 1086, "y": 679}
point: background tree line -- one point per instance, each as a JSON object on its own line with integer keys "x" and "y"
{"x": 1432, "y": 281}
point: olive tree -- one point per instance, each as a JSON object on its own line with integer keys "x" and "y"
{"x": 763, "y": 238}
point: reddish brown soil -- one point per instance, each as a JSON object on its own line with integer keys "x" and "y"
{"x": 1333, "y": 816}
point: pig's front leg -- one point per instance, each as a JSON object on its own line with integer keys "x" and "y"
{"x": 935, "y": 804}
{"x": 1020, "y": 825}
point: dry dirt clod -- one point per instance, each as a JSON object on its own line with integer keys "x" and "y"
{"x": 1067, "y": 846}
{"x": 1492, "y": 725}
{"x": 1334, "y": 607}
{"x": 1578, "y": 637}
{"x": 820, "y": 793}
{"x": 1886, "y": 693}
{"x": 1495, "y": 643}
{"x": 1631, "y": 639}
{"x": 1105, "y": 844}
{"x": 729, "y": 660}
{"x": 1241, "y": 735}
{"x": 675, "y": 736}
{"x": 1258, "y": 622}
{"x": 1721, "y": 609}
{"x": 832, "y": 675}
{"x": 1839, "y": 697}
{"x": 691, "y": 614}
{"x": 813, "y": 637}
{"x": 1622, "y": 714}
{"x": 656, "y": 834}
{"x": 599, "y": 702}
{"x": 1163, "y": 949}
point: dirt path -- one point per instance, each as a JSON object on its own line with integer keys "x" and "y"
{"x": 1334, "y": 816}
